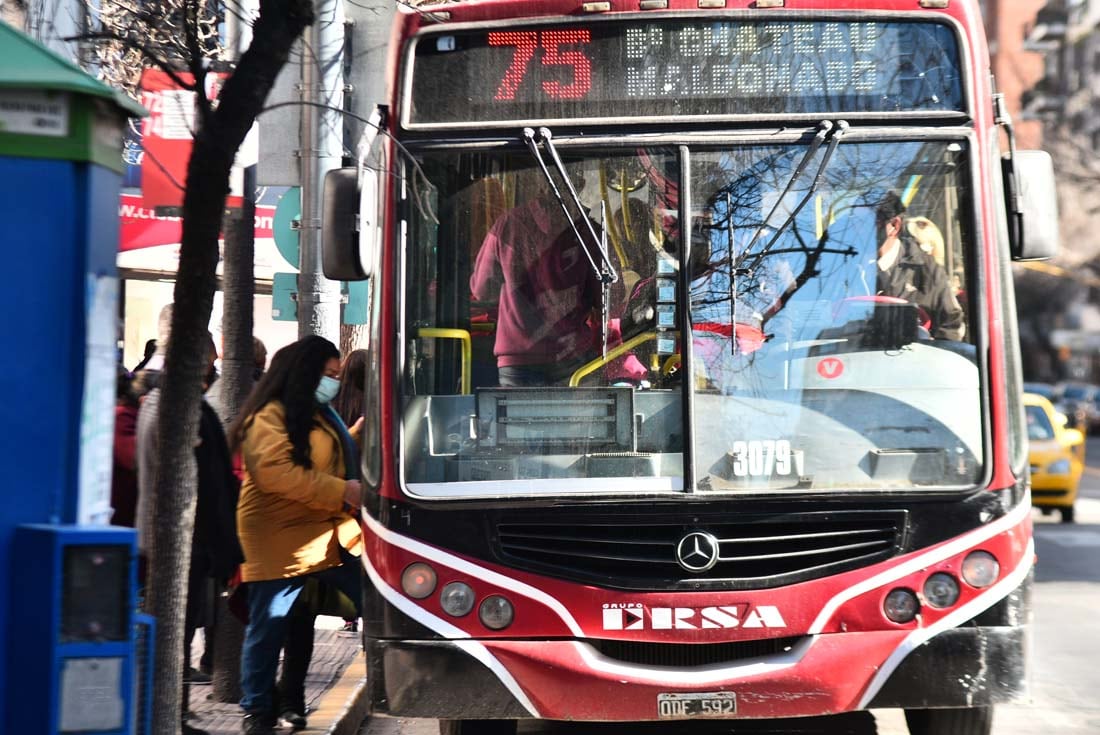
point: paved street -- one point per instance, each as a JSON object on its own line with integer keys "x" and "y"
{"x": 1066, "y": 640}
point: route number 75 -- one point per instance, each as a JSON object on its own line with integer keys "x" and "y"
{"x": 527, "y": 43}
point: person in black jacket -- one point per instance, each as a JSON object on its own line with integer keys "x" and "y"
{"x": 905, "y": 271}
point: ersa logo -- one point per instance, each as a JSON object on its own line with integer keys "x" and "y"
{"x": 635, "y": 616}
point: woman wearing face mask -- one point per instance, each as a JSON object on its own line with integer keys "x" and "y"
{"x": 295, "y": 517}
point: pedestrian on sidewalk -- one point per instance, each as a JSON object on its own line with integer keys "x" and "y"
{"x": 294, "y": 517}
{"x": 349, "y": 403}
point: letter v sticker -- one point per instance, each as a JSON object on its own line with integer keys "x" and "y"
{"x": 830, "y": 368}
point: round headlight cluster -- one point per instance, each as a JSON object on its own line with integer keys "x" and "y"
{"x": 495, "y": 612}
{"x": 980, "y": 569}
{"x": 457, "y": 599}
{"x": 419, "y": 581}
{"x": 941, "y": 590}
{"x": 901, "y": 605}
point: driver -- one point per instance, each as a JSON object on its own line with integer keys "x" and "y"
{"x": 906, "y": 271}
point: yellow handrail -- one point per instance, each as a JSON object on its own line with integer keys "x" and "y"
{"x": 599, "y": 362}
{"x": 462, "y": 336}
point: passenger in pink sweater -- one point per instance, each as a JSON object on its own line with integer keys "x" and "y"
{"x": 548, "y": 294}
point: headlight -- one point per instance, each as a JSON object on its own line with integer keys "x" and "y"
{"x": 418, "y": 580}
{"x": 457, "y": 599}
{"x": 1061, "y": 467}
{"x": 901, "y": 606}
{"x": 496, "y": 613}
{"x": 980, "y": 569}
{"x": 941, "y": 590}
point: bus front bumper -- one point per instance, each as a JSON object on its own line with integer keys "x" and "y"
{"x": 570, "y": 680}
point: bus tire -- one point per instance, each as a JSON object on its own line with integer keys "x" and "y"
{"x": 1067, "y": 514}
{"x": 477, "y": 727}
{"x": 962, "y": 721}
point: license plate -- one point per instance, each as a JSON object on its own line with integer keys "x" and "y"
{"x": 677, "y": 706}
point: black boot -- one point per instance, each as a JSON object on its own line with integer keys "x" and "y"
{"x": 258, "y": 723}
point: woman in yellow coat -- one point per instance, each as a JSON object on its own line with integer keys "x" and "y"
{"x": 294, "y": 516}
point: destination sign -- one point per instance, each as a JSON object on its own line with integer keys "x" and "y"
{"x": 683, "y": 68}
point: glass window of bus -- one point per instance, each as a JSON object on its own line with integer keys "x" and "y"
{"x": 524, "y": 370}
{"x": 831, "y": 332}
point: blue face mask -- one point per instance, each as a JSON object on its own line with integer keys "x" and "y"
{"x": 327, "y": 389}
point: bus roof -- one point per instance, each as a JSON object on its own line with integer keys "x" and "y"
{"x": 487, "y": 10}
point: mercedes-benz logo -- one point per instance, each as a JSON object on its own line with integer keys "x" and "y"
{"x": 697, "y": 552}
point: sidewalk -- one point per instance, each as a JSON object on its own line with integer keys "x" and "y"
{"x": 335, "y": 688}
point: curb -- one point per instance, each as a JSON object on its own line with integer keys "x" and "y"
{"x": 343, "y": 708}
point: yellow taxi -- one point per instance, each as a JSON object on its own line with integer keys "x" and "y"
{"x": 1056, "y": 455}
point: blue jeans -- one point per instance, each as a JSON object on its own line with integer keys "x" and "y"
{"x": 269, "y": 602}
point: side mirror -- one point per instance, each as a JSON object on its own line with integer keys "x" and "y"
{"x": 1032, "y": 205}
{"x": 349, "y": 234}
{"x": 1073, "y": 437}
{"x": 340, "y": 259}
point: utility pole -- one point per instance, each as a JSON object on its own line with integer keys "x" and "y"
{"x": 322, "y": 150}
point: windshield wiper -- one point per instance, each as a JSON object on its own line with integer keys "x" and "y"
{"x": 605, "y": 270}
{"x": 834, "y": 141}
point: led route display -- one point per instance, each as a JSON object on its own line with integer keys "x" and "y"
{"x": 683, "y": 68}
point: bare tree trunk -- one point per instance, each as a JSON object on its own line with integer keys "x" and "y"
{"x": 237, "y": 365}
{"x": 220, "y": 134}
{"x": 228, "y": 640}
{"x": 352, "y": 337}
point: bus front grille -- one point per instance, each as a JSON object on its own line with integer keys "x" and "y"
{"x": 752, "y": 553}
{"x": 681, "y": 655}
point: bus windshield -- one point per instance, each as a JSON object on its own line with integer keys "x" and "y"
{"x": 789, "y": 317}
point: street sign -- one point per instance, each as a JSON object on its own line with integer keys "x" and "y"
{"x": 284, "y": 227}
{"x": 284, "y": 297}
{"x": 357, "y": 303}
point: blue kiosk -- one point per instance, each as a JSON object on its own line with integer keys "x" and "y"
{"x": 67, "y": 587}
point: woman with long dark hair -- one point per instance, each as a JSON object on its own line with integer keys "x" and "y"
{"x": 294, "y": 515}
{"x": 349, "y": 400}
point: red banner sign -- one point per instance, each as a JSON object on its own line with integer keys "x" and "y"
{"x": 167, "y": 134}
{"x": 140, "y": 227}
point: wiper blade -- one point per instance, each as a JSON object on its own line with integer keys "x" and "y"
{"x": 605, "y": 270}
{"x": 834, "y": 140}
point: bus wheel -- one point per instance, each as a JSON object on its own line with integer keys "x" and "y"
{"x": 1067, "y": 514}
{"x": 477, "y": 727}
{"x": 966, "y": 721}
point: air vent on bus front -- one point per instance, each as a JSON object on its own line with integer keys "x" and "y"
{"x": 753, "y": 553}
{"x": 685, "y": 655}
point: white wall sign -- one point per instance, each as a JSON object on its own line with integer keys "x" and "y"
{"x": 34, "y": 113}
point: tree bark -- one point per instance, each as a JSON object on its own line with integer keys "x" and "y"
{"x": 237, "y": 364}
{"x": 353, "y": 337}
{"x": 220, "y": 133}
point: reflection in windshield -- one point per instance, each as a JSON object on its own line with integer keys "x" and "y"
{"x": 848, "y": 337}
{"x": 830, "y": 343}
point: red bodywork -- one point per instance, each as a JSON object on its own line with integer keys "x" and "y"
{"x": 846, "y": 647}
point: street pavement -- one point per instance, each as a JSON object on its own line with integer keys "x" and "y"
{"x": 335, "y": 688}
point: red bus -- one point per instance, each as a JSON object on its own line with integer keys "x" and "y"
{"x": 694, "y": 387}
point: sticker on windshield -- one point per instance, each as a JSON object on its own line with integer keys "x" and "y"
{"x": 763, "y": 458}
{"x": 830, "y": 368}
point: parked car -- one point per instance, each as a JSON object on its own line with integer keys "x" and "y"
{"x": 1079, "y": 401}
{"x": 1057, "y": 457}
